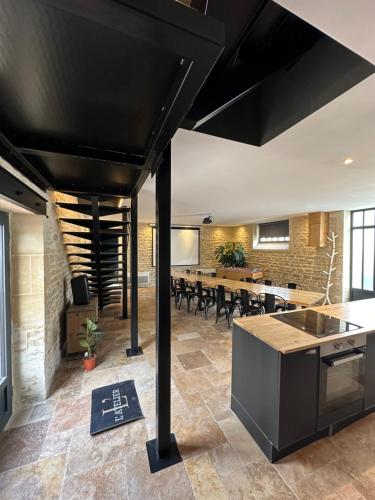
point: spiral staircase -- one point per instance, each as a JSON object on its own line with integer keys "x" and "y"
{"x": 97, "y": 246}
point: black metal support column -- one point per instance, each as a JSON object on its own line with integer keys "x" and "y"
{"x": 134, "y": 350}
{"x": 125, "y": 269}
{"x": 163, "y": 451}
{"x": 96, "y": 241}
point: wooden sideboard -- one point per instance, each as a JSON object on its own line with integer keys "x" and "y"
{"x": 75, "y": 318}
{"x": 236, "y": 273}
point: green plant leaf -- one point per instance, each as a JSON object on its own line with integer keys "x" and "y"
{"x": 91, "y": 325}
{"x": 84, "y": 343}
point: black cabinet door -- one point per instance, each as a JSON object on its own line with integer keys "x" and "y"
{"x": 370, "y": 372}
{"x": 299, "y": 387}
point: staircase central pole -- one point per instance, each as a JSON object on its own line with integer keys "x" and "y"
{"x": 134, "y": 350}
{"x": 125, "y": 268}
{"x": 96, "y": 242}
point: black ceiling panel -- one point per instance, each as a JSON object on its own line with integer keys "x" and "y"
{"x": 281, "y": 70}
{"x": 72, "y": 173}
{"x": 91, "y": 92}
{"x": 55, "y": 88}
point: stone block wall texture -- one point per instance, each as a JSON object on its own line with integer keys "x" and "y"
{"x": 210, "y": 238}
{"x": 27, "y": 308}
{"x": 300, "y": 263}
{"x": 40, "y": 292}
{"x": 57, "y": 290}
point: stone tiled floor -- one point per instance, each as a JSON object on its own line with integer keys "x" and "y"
{"x": 47, "y": 451}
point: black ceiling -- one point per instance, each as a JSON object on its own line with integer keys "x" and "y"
{"x": 276, "y": 69}
{"x": 92, "y": 91}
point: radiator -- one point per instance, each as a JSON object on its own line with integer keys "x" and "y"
{"x": 143, "y": 278}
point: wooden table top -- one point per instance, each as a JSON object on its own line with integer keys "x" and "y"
{"x": 287, "y": 339}
{"x": 298, "y": 297}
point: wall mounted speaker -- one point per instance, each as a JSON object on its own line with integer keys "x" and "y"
{"x": 80, "y": 290}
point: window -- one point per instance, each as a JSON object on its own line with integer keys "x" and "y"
{"x": 274, "y": 232}
{"x": 363, "y": 254}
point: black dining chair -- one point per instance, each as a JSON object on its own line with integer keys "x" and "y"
{"x": 222, "y": 303}
{"x": 250, "y": 280}
{"x": 205, "y": 299}
{"x": 266, "y": 282}
{"x": 199, "y": 273}
{"x": 186, "y": 292}
{"x": 291, "y": 286}
{"x": 249, "y": 304}
{"x": 187, "y": 271}
{"x": 272, "y": 303}
{"x": 175, "y": 287}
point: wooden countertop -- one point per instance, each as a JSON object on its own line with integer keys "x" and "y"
{"x": 298, "y": 297}
{"x": 287, "y": 339}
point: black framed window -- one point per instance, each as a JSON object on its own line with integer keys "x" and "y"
{"x": 5, "y": 353}
{"x": 274, "y": 232}
{"x": 362, "y": 254}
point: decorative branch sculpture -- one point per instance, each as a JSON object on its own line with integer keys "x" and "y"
{"x": 331, "y": 269}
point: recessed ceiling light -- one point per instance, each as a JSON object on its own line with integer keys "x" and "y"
{"x": 348, "y": 161}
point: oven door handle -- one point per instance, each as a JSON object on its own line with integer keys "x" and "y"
{"x": 343, "y": 359}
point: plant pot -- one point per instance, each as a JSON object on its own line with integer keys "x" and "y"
{"x": 89, "y": 363}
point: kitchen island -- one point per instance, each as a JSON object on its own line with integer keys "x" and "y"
{"x": 302, "y": 375}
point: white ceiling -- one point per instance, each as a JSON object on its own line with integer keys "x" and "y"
{"x": 299, "y": 171}
{"x": 350, "y": 22}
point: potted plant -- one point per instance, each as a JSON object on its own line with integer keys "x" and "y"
{"x": 90, "y": 340}
{"x": 231, "y": 254}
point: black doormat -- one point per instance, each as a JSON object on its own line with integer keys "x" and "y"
{"x": 114, "y": 405}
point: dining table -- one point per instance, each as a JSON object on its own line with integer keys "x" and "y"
{"x": 302, "y": 298}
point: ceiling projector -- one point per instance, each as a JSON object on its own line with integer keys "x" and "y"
{"x": 208, "y": 220}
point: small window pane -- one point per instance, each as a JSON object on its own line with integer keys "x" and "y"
{"x": 358, "y": 219}
{"x": 368, "y": 263}
{"x": 357, "y": 258}
{"x": 369, "y": 217}
{"x": 274, "y": 231}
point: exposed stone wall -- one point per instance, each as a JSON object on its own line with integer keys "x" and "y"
{"x": 300, "y": 263}
{"x": 40, "y": 291}
{"x": 210, "y": 238}
{"x": 57, "y": 291}
{"x": 27, "y": 308}
{"x": 144, "y": 251}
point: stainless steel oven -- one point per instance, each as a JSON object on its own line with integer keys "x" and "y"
{"x": 342, "y": 379}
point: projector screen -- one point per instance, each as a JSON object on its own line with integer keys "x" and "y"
{"x": 184, "y": 246}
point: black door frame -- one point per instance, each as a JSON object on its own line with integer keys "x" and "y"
{"x": 360, "y": 293}
{"x": 5, "y": 377}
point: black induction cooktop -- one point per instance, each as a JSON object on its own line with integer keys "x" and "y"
{"x": 315, "y": 323}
